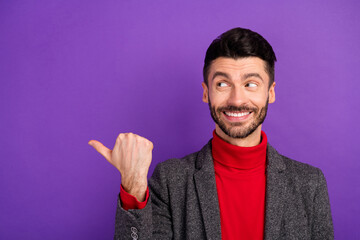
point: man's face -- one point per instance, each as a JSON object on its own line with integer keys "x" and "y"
{"x": 238, "y": 94}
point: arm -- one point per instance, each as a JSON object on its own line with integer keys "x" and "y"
{"x": 130, "y": 202}
{"x": 322, "y": 227}
{"x": 132, "y": 156}
{"x": 154, "y": 220}
{"x": 133, "y": 223}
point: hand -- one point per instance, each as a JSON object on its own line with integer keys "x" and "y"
{"x": 132, "y": 156}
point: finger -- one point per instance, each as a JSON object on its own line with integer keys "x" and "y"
{"x": 151, "y": 145}
{"x": 101, "y": 149}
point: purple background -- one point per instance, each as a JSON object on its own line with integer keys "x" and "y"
{"x": 72, "y": 71}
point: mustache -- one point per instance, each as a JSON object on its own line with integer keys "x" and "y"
{"x": 232, "y": 108}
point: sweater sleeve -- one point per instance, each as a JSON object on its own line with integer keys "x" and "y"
{"x": 128, "y": 201}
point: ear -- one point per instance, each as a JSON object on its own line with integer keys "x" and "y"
{"x": 205, "y": 97}
{"x": 272, "y": 93}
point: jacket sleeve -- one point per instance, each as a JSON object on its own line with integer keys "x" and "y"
{"x": 151, "y": 222}
{"x": 322, "y": 227}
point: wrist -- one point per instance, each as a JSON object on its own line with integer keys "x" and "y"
{"x": 130, "y": 202}
{"x": 137, "y": 190}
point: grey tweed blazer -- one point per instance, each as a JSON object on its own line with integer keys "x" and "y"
{"x": 183, "y": 202}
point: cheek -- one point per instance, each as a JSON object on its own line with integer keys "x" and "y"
{"x": 217, "y": 99}
{"x": 259, "y": 99}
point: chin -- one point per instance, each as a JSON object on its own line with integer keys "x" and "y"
{"x": 238, "y": 132}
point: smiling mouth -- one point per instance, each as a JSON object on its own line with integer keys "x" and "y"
{"x": 236, "y": 114}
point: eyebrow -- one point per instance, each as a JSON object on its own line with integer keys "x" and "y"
{"x": 246, "y": 76}
{"x": 249, "y": 75}
{"x": 222, "y": 74}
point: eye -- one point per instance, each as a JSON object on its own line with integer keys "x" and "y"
{"x": 251, "y": 84}
{"x": 222, "y": 84}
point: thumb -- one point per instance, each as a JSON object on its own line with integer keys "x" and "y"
{"x": 101, "y": 149}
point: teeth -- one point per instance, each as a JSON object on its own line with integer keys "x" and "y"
{"x": 232, "y": 114}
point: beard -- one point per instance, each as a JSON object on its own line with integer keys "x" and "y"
{"x": 239, "y": 130}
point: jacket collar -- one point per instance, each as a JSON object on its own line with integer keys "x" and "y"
{"x": 207, "y": 192}
{"x": 273, "y": 158}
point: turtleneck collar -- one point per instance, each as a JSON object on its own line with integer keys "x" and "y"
{"x": 239, "y": 157}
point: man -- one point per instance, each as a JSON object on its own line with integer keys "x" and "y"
{"x": 237, "y": 186}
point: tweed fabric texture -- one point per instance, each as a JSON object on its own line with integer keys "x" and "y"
{"x": 183, "y": 202}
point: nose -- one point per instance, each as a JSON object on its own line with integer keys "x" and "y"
{"x": 237, "y": 97}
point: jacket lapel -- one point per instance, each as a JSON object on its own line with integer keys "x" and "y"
{"x": 206, "y": 189}
{"x": 207, "y": 192}
{"x": 275, "y": 192}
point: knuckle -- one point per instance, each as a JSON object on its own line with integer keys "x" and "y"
{"x": 120, "y": 136}
{"x": 138, "y": 138}
{"x": 149, "y": 144}
{"x": 131, "y": 135}
{"x": 143, "y": 141}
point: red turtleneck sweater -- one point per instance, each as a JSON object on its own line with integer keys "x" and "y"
{"x": 240, "y": 181}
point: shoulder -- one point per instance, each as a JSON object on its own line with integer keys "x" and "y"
{"x": 182, "y": 169}
{"x": 299, "y": 168}
{"x": 298, "y": 173}
{"x": 304, "y": 175}
{"x": 281, "y": 162}
{"x": 177, "y": 166}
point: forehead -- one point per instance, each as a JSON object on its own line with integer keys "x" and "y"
{"x": 236, "y": 68}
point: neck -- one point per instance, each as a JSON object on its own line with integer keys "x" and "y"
{"x": 250, "y": 141}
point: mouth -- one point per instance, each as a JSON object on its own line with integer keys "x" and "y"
{"x": 236, "y": 116}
